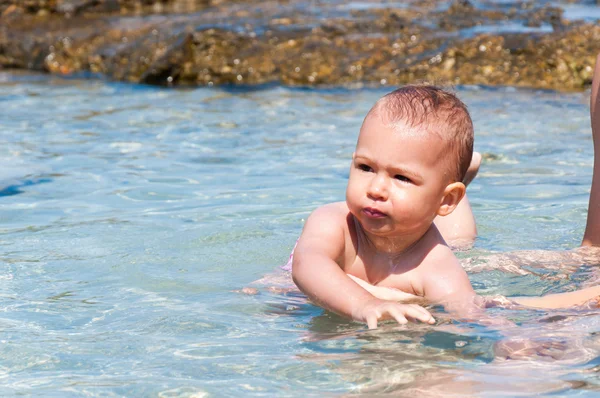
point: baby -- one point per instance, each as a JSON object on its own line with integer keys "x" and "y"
{"x": 360, "y": 257}
{"x": 413, "y": 151}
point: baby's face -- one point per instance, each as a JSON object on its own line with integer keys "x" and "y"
{"x": 397, "y": 178}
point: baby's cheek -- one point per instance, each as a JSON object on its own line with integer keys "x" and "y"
{"x": 409, "y": 208}
{"x": 351, "y": 196}
{"x": 355, "y": 187}
{"x": 403, "y": 202}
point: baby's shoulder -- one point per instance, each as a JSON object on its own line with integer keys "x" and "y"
{"x": 337, "y": 207}
{"x": 326, "y": 228}
{"x": 440, "y": 274}
{"x": 332, "y": 212}
{"x": 440, "y": 256}
{"x": 329, "y": 221}
{"x": 435, "y": 252}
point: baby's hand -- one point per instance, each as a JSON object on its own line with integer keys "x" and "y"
{"x": 376, "y": 309}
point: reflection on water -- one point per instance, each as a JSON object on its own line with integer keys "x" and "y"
{"x": 132, "y": 216}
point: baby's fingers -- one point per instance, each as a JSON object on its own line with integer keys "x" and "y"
{"x": 419, "y": 313}
{"x": 372, "y": 321}
{"x": 398, "y": 316}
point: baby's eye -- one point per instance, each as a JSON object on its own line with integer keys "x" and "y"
{"x": 402, "y": 178}
{"x": 364, "y": 167}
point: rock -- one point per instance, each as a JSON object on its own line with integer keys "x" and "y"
{"x": 252, "y": 42}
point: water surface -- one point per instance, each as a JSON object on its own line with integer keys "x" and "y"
{"x": 129, "y": 215}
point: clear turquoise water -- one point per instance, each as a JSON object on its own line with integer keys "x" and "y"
{"x": 129, "y": 215}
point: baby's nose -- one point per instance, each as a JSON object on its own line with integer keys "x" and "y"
{"x": 378, "y": 188}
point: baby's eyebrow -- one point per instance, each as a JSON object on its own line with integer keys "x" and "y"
{"x": 412, "y": 174}
{"x": 362, "y": 157}
{"x": 396, "y": 169}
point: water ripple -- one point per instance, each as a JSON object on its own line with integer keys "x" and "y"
{"x": 128, "y": 229}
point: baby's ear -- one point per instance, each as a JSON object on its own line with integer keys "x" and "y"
{"x": 453, "y": 194}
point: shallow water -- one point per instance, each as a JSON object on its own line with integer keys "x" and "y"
{"x": 131, "y": 214}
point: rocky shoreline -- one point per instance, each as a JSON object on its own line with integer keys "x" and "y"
{"x": 212, "y": 42}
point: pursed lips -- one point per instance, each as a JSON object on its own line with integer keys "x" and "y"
{"x": 374, "y": 213}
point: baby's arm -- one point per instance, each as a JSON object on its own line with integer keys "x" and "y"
{"x": 446, "y": 282}
{"x": 316, "y": 272}
{"x": 386, "y": 293}
{"x": 591, "y": 236}
{"x": 450, "y": 286}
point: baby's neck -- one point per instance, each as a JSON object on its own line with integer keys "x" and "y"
{"x": 393, "y": 246}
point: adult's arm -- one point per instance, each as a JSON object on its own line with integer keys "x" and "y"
{"x": 591, "y": 236}
{"x": 560, "y": 300}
